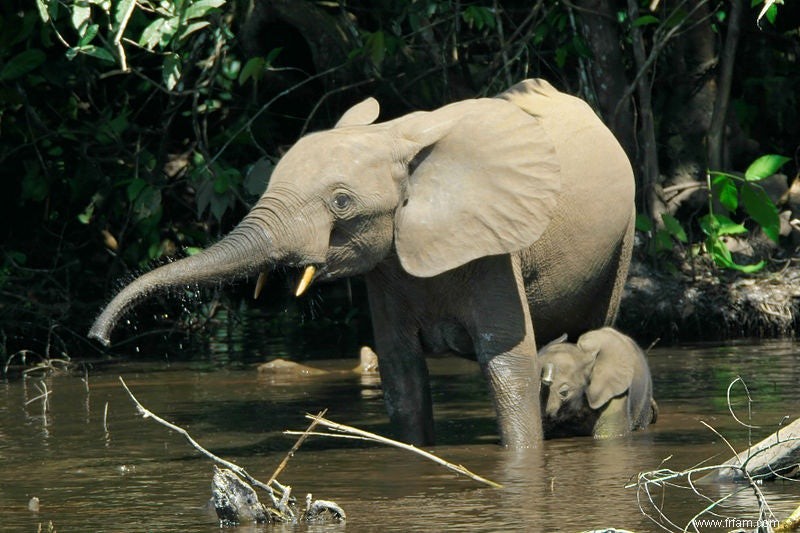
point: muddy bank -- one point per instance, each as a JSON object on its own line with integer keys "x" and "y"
{"x": 709, "y": 305}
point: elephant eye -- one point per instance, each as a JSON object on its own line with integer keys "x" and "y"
{"x": 341, "y": 201}
{"x": 563, "y": 392}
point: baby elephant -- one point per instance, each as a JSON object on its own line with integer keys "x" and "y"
{"x": 600, "y": 386}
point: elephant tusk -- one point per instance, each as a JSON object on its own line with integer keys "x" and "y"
{"x": 547, "y": 374}
{"x": 306, "y": 280}
{"x": 262, "y": 280}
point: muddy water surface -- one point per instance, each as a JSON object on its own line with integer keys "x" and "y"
{"x": 95, "y": 465}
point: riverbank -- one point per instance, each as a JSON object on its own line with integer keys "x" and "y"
{"x": 709, "y": 304}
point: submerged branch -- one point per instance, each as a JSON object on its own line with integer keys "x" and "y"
{"x": 146, "y": 413}
{"x": 777, "y": 456}
{"x": 351, "y": 432}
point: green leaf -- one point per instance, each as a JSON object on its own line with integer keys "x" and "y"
{"x": 561, "y": 56}
{"x": 159, "y": 32}
{"x": 376, "y": 48}
{"x": 478, "y": 17}
{"x": 171, "y": 70}
{"x": 135, "y": 188}
{"x": 81, "y": 15}
{"x": 764, "y": 166}
{"x": 94, "y": 51}
{"x": 22, "y": 63}
{"x": 719, "y": 252}
{"x": 709, "y": 224}
{"x": 726, "y": 226}
{"x": 663, "y": 240}
{"x": 122, "y": 10}
{"x": 41, "y": 5}
{"x": 147, "y": 203}
{"x": 674, "y": 227}
{"x": 152, "y": 34}
{"x": 254, "y": 68}
{"x": 201, "y": 7}
{"x": 727, "y": 192}
{"x": 221, "y": 183}
{"x": 193, "y": 27}
{"x": 273, "y": 55}
{"x": 86, "y": 216}
{"x": 643, "y": 223}
{"x": 722, "y": 257}
{"x": 90, "y": 34}
{"x": 645, "y": 21}
{"x": 749, "y": 269}
{"x": 772, "y": 14}
{"x": 761, "y": 209}
{"x": 219, "y": 204}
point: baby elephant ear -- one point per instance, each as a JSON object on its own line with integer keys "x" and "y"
{"x": 612, "y": 374}
{"x": 360, "y": 114}
{"x": 483, "y": 179}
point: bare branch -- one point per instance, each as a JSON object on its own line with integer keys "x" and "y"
{"x": 409, "y": 447}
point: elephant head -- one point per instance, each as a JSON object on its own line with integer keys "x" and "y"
{"x": 566, "y": 372}
{"x": 600, "y": 386}
{"x": 437, "y": 189}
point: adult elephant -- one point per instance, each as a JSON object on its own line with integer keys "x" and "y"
{"x": 473, "y": 223}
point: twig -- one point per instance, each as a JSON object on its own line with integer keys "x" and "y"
{"x": 409, "y": 447}
{"x": 730, "y": 404}
{"x": 118, "y": 35}
{"x": 234, "y": 467}
{"x": 296, "y": 446}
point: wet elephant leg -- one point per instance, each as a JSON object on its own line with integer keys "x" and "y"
{"x": 506, "y": 349}
{"x": 403, "y": 370}
{"x": 615, "y": 420}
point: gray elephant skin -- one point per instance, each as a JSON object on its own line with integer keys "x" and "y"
{"x": 600, "y": 386}
{"x": 471, "y": 223}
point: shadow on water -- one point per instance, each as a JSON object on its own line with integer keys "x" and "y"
{"x": 138, "y": 476}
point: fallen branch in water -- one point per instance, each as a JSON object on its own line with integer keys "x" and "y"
{"x": 234, "y": 498}
{"x": 777, "y": 456}
{"x": 351, "y": 432}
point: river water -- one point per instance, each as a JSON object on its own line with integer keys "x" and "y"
{"x": 96, "y": 465}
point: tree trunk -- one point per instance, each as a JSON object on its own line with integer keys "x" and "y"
{"x": 716, "y": 133}
{"x": 607, "y": 69}
{"x": 648, "y": 161}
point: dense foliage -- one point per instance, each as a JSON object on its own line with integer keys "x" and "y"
{"x": 132, "y": 130}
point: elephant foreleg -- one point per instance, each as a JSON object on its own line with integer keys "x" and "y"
{"x": 407, "y": 393}
{"x": 515, "y": 392}
{"x": 401, "y": 361}
{"x": 506, "y": 349}
{"x": 615, "y": 420}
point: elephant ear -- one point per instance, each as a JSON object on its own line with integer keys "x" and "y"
{"x": 612, "y": 374}
{"x": 361, "y": 114}
{"x": 483, "y": 180}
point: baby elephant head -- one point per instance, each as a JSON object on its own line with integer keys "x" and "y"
{"x": 599, "y": 386}
{"x": 590, "y": 373}
{"x": 566, "y": 372}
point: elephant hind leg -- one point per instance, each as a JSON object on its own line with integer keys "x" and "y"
{"x": 623, "y": 263}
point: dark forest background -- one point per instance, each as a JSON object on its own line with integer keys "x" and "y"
{"x": 134, "y": 131}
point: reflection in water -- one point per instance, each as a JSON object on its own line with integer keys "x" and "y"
{"x": 94, "y": 470}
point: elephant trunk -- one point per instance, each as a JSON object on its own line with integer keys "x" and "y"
{"x": 245, "y": 251}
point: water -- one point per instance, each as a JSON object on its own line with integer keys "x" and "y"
{"x": 98, "y": 470}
